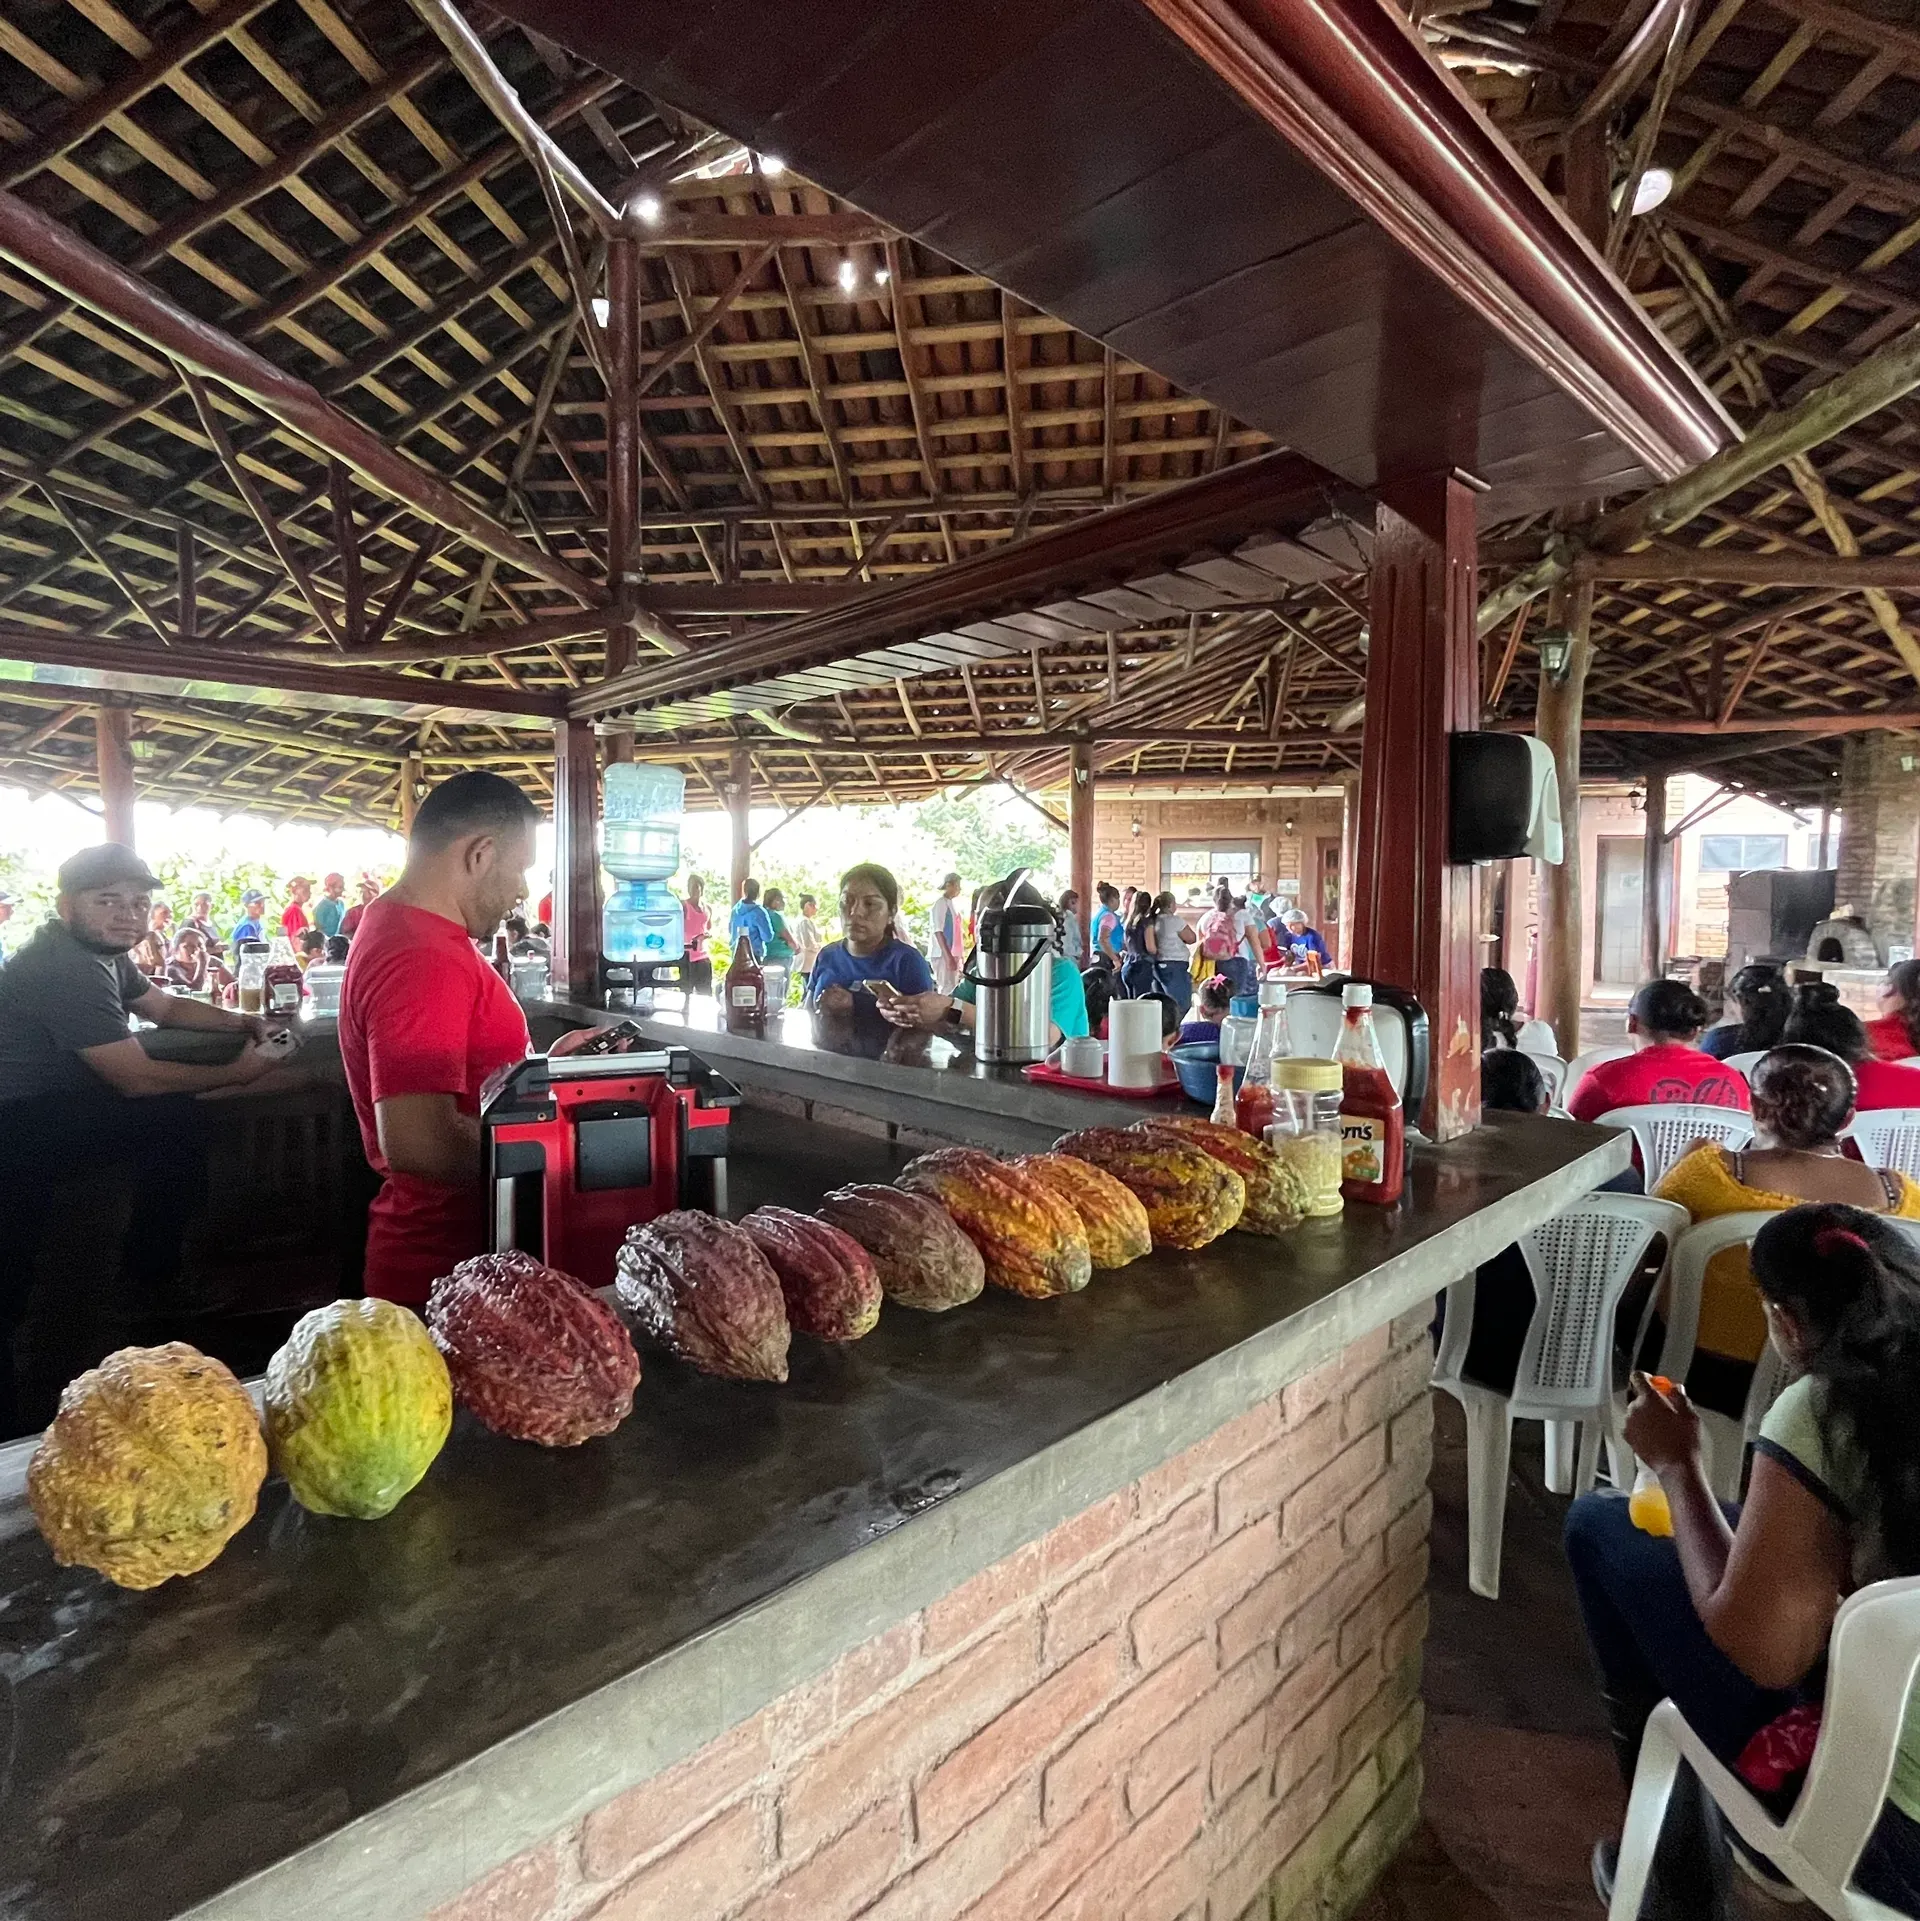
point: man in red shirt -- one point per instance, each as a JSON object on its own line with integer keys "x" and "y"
{"x": 424, "y": 1020}
{"x": 1664, "y": 1021}
{"x": 295, "y": 922}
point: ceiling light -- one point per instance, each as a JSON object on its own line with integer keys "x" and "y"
{"x": 849, "y": 273}
{"x": 648, "y": 208}
{"x": 771, "y": 167}
{"x": 1556, "y": 651}
{"x": 882, "y": 277}
{"x": 1655, "y": 185}
{"x": 602, "y": 312}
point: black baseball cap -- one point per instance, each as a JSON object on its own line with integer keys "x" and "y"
{"x": 103, "y": 865}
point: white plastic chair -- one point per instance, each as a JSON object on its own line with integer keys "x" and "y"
{"x": 1582, "y": 1064}
{"x": 1664, "y": 1131}
{"x": 1872, "y": 1660}
{"x": 1889, "y": 1137}
{"x": 1538, "y": 1037}
{"x": 1726, "y": 1440}
{"x": 1580, "y": 1265}
{"x": 1553, "y": 1070}
{"x": 1744, "y": 1064}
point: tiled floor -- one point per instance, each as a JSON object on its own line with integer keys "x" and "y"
{"x": 1520, "y": 1778}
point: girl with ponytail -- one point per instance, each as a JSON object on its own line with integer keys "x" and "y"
{"x": 1731, "y": 1615}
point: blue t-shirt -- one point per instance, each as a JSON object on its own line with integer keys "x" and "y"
{"x": 1106, "y": 933}
{"x": 751, "y": 919}
{"x": 248, "y": 929}
{"x": 1066, "y": 999}
{"x": 895, "y": 962}
{"x": 1300, "y": 945}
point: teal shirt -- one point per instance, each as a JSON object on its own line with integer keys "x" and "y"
{"x": 1066, "y": 999}
{"x": 1794, "y": 1436}
{"x": 328, "y": 913}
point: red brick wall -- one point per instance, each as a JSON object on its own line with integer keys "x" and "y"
{"x": 1197, "y": 1701}
{"x": 1287, "y": 830}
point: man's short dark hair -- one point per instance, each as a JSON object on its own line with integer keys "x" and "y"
{"x": 468, "y": 805}
{"x": 1511, "y": 1081}
{"x": 749, "y": 889}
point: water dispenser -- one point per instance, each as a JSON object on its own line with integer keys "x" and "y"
{"x": 642, "y": 928}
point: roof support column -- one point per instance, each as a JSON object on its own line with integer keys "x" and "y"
{"x": 113, "y": 751}
{"x": 739, "y": 810}
{"x": 576, "y": 860}
{"x": 1080, "y": 835}
{"x": 409, "y": 795}
{"x": 1653, "y": 957}
{"x": 623, "y": 460}
{"x": 1413, "y": 922}
{"x": 1557, "y": 722}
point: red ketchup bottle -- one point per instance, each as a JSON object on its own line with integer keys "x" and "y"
{"x": 746, "y": 992}
{"x": 1373, "y": 1125}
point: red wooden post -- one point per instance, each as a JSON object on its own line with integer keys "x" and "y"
{"x": 739, "y": 793}
{"x": 576, "y": 860}
{"x": 1080, "y": 835}
{"x": 1413, "y": 921}
{"x": 113, "y": 760}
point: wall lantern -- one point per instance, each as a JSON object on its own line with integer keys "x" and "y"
{"x": 1556, "y": 652}
{"x": 1136, "y": 827}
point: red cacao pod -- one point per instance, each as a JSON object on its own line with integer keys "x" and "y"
{"x": 701, "y": 1288}
{"x": 533, "y": 1352}
{"x": 831, "y": 1285}
{"x": 922, "y": 1258}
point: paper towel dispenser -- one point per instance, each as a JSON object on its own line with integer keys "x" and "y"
{"x": 1504, "y": 800}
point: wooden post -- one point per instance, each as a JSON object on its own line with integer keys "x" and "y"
{"x": 1826, "y": 838}
{"x": 1349, "y": 827}
{"x": 739, "y": 806}
{"x": 1653, "y": 957}
{"x": 187, "y": 607}
{"x": 1413, "y": 922}
{"x": 1080, "y": 835}
{"x": 623, "y": 459}
{"x": 113, "y": 762}
{"x": 1557, "y": 722}
{"x": 409, "y": 793}
{"x": 576, "y": 860}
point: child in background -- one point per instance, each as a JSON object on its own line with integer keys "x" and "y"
{"x": 1212, "y": 1007}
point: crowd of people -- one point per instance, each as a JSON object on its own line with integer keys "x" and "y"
{"x": 1730, "y": 1617}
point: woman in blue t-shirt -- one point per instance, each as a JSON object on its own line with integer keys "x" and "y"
{"x": 869, "y": 949}
{"x": 1731, "y": 1616}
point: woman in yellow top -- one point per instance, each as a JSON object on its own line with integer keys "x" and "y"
{"x": 1802, "y": 1098}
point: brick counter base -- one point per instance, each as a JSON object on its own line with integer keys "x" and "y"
{"x": 1197, "y": 1701}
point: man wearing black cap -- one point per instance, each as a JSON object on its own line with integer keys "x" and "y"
{"x": 79, "y": 1092}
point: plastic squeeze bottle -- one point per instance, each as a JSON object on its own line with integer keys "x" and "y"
{"x": 1223, "y": 1096}
{"x": 1647, "y": 1506}
{"x": 1373, "y": 1126}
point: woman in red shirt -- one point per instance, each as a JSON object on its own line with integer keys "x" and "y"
{"x": 1820, "y": 1020}
{"x": 1895, "y": 1036}
{"x": 1664, "y": 1021}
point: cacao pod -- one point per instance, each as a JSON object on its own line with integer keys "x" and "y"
{"x": 829, "y": 1280}
{"x": 535, "y": 1353}
{"x": 1116, "y": 1223}
{"x": 700, "y": 1287}
{"x": 1190, "y": 1197}
{"x": 152, "y": 1465}
{"x": 1276, "y": 1200}
{"x": 1031, "y": 1240}
{"x": 359, "y": 1402}
{"x": 923, "y": 1259}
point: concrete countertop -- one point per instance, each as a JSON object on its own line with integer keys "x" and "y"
{"x": 359, "y": 1720}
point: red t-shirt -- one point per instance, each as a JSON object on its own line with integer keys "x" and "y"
{"x": 1880, "y": 1084}
{"x": 1891, "y": 1039}
{"x": 294, "y": 923}
{"x": 421, "y": 1013}
{"x": 1658, "y": 1077}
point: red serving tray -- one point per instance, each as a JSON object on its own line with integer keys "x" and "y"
{"x": 1052, "y": 1076}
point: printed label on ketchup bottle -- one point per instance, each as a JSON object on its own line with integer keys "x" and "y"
{"x": 1363, "y": 1142}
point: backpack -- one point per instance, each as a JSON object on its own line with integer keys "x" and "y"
{"x": 1216, "y": 935}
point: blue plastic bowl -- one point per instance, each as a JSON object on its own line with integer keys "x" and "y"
{"x": 1198, "y": 1067}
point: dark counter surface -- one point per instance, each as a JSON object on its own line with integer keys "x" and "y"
{"x": 324, "y": 1708}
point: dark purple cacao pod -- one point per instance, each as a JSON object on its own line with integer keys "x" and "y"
{"x": 701, "y": 1288}
{"x": 829, "y": 1280}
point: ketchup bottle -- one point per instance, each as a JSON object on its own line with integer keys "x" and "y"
{"x": 1373, "y": 1125}
{"x": 746, "y": 992}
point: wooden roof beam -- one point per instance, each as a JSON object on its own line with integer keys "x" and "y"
{"x": 80, "y": 272}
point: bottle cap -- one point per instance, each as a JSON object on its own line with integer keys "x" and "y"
{"x": 1356, "y": 994}
{"x": 1301, "y": 1074}
{"x": 1246, "y": 1006}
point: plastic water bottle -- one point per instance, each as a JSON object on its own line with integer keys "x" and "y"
{"x": 642, "y": 923}
{"x": 1236, "y": 1031}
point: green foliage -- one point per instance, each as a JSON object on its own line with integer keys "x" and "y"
{"x": 224, "y": 875}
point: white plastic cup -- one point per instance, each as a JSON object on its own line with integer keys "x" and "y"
{"x": 1083, "y": 1056}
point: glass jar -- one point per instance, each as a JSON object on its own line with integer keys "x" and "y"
{"x": 1306, "y": 1128}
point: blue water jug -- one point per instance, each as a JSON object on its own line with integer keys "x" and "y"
{"x": 643, "y": 924}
